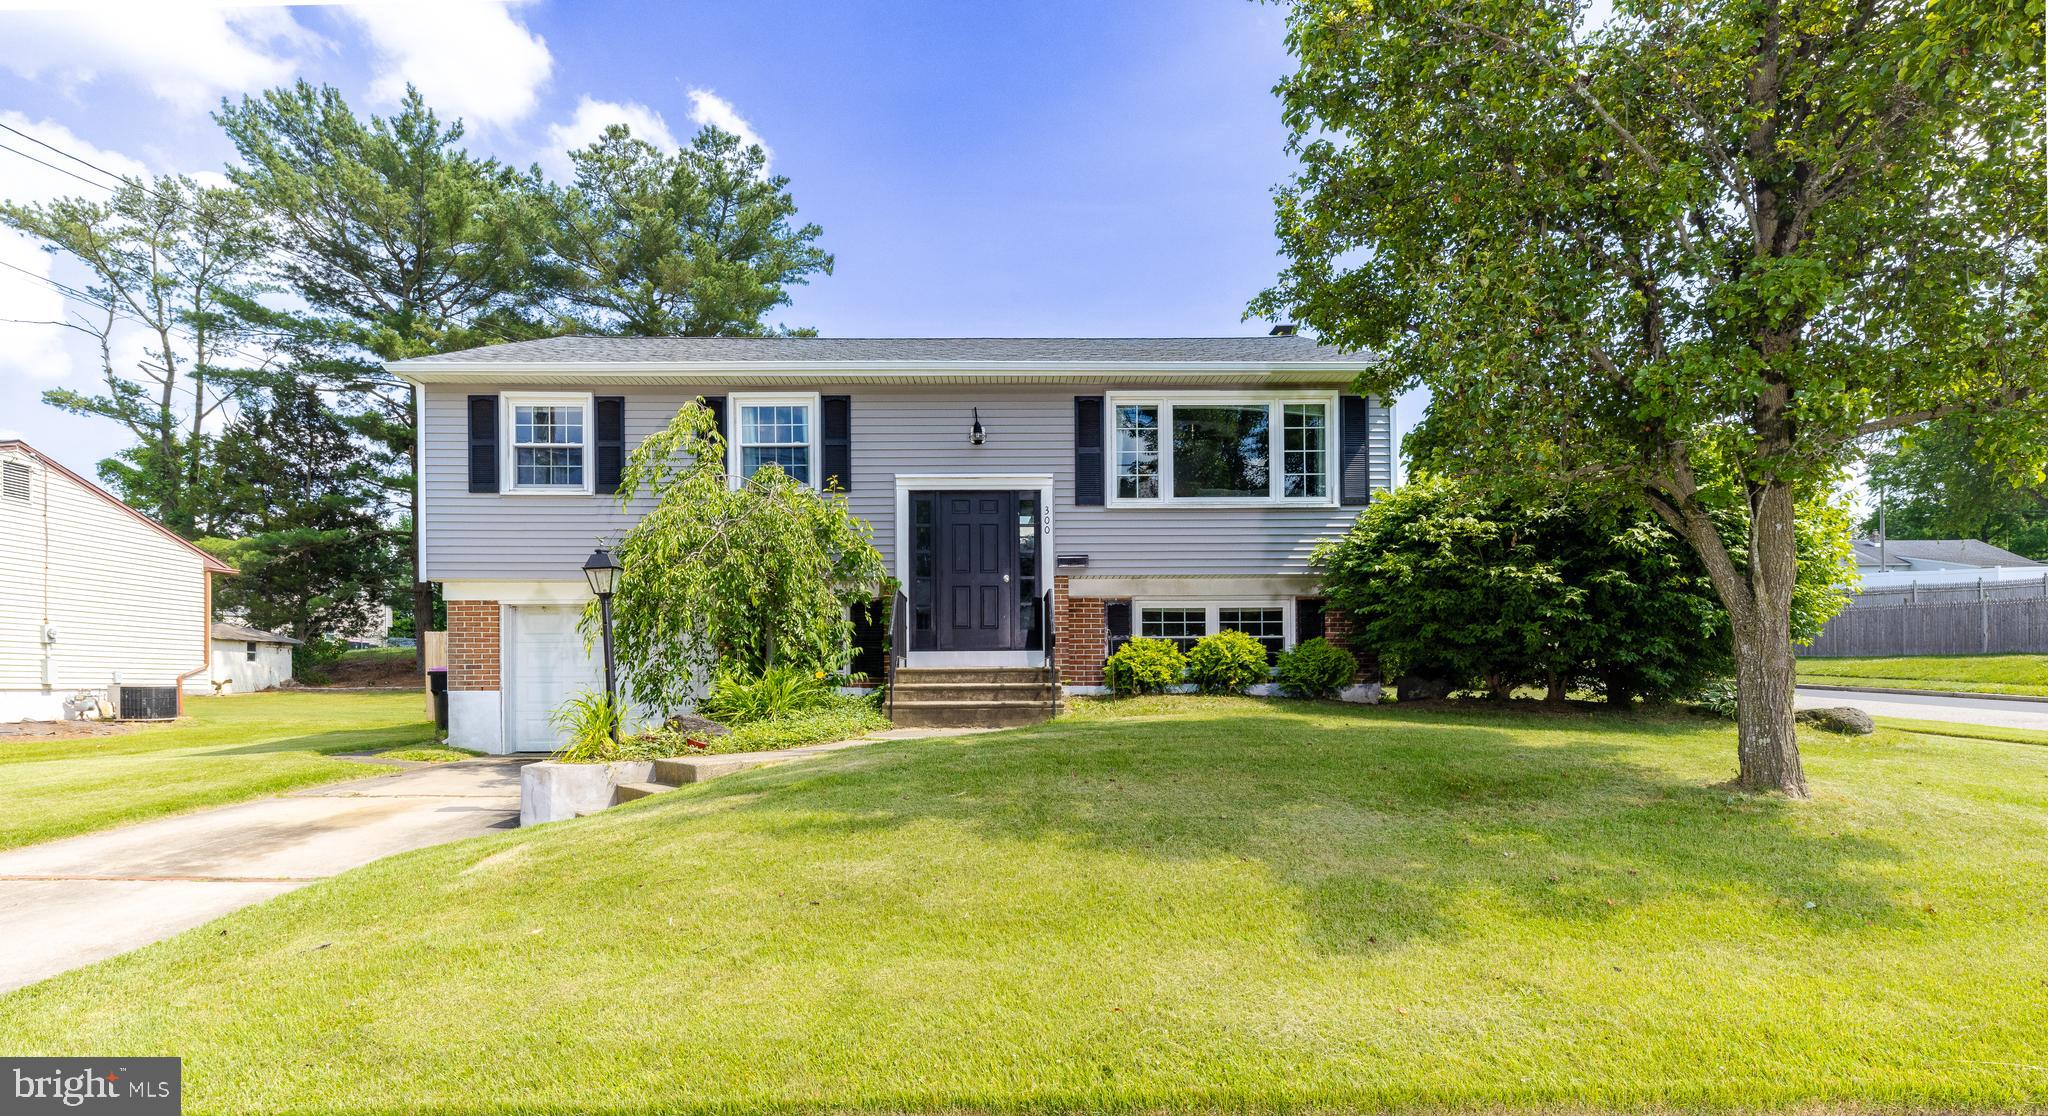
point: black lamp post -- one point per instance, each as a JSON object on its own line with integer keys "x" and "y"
{"x": 602, "y": 571}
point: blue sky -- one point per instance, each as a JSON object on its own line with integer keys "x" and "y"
{"x": 1036, "y": 168}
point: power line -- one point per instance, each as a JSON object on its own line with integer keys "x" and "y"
{"x": 47, "y": 145}
{"x": 124, "y": 179}
{"x": 136, "y": 181}
{"x": 52, "y": 166}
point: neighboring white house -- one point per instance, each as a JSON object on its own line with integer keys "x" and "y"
{"x": 1899, "y": 563}
{"x": 93, "y": 595}
{"x": 245, "y": 660}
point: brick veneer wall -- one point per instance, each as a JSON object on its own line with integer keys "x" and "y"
{"x": 473, "y": 645}
{"x": 1083, "y": 637}
{"x": 1337, "y": 629}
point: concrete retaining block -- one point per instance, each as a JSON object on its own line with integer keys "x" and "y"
{"x": 554, "y": 791}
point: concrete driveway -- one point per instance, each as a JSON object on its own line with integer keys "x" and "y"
{"x": 1928, "y": 707}
{"x": 72, "y": 902}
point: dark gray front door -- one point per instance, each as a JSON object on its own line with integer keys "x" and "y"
{"x": 976, "y": 600}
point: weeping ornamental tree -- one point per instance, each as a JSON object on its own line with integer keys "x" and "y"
{"x": 1699, "y": 254}
{"x": 721, "y": 575}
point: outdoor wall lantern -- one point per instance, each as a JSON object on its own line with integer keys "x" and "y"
{"x": 977, "y": 435}
{"x": 602, "y": 571}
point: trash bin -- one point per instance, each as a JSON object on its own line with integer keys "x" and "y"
{"x": 437, "y": 684}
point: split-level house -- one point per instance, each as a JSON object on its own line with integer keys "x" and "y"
{"x": 1039, "y": 499}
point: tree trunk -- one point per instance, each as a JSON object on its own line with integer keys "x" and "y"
{"x": 1555, "y": 694}
{"x": 1759, "y": 603}
{"x": 1768, "y": 746}
{"x": 1766, "y": 743}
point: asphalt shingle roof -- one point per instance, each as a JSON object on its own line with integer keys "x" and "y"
{"x": 224, "y": 630}
{"x": 568, "y": 350}
{"x": 1968, "y": 552}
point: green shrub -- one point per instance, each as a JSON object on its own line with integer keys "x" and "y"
{"x": 836, "y": 717}
{"x": 1144, "y": 666}
{"x": 311, "y": 659}
{"x": 739, "y": 697}
{"x": 1227, "y": 663}
{"x": 587, "y": 721}
{"x": 1316, "y": 668}
{"x": 1716, "y": 698}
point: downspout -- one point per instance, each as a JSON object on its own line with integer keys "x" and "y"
{"x": 49, "y": 646}
{"x": 205, "y": 639}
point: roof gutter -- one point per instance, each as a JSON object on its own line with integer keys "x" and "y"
{"x": 425, "y": 371}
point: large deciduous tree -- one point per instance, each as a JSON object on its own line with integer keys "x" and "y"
{"x": 1702, "y": 248}
{"x": 1936, "y": 482}
{"x": 700, "y": 243}
{"x": 167, "y": 258}
{"x": 400, "y": 243}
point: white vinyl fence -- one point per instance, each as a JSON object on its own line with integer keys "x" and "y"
{"x": 2004, "y": 617}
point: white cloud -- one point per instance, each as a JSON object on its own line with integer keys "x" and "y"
{"x": 187, "y": 54}
{"x": 707, "y": 107}
{"x": 591, "y": 118}
{"x": 43, "y": 352}
{"x": 469, "y": 58}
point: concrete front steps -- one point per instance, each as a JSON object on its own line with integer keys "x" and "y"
{"x": 973, "y": 697}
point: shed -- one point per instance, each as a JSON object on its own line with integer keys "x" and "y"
{"x": 245, "y": 660}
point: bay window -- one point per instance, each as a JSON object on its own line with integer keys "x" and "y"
{"x": 1223, "y": 449}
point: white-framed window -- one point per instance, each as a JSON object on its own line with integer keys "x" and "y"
{"x": 1183, "y": 626}
{"x": 778, "y": 429}
{"x": 1224, "y": 449}
{"x": 1185, "y": 622}
{"x": 547, "y": 442}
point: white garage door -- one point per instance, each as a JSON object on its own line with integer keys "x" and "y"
{"x": 549, "y": 666}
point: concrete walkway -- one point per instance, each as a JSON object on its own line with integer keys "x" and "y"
{"x": 72, "y": 902}
{"x": 1960, "y": 709}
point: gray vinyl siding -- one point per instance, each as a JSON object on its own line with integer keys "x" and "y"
{"x": 896, "y": 429}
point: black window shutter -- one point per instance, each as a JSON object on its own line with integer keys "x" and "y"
{"x": 716, "y": 405}
{"x": 1354, "y": 456}
{"x": 1116, "y": 620}
{"x": 836, "y": 425}
{"x": 611, "y": 442}
{"x": 1088, "y": 458}
{"x": 1308, "y": 619}
{"x": 483, "y": 443}
{"x": 871, "y": 638}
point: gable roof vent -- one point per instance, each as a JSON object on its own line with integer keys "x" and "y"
{"x": 1284, "y": 329}
{"x": 14, "y": 480}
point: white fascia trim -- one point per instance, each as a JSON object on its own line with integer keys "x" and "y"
{"x": 419, "y": 481}
{"x": 563, "y": 592}
{"x": 1194, "y": 587}
{"x": 420, "y": 369}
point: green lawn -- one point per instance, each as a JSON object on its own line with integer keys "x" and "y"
{"x": 1172, "y": 904}
{"x": 226, "y": 750}
{"x": 1984, "y": 674}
